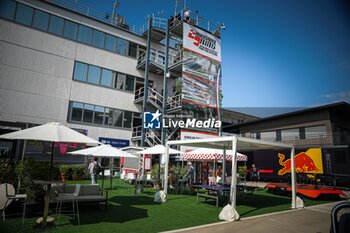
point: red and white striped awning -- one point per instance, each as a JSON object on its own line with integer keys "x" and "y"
{"x": 212, "y": 154}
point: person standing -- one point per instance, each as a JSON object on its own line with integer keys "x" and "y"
{"x": 254, "y": 174}
{"x": 190, "y": 174}
{"x": 93, "y": 170}
{"x": 218, "y": 174}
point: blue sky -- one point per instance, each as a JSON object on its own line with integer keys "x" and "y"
{"x": 275, "y": 53}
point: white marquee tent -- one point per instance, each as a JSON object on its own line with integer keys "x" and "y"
{"x": 236, "y": 144}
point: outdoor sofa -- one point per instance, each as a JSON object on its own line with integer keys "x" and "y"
{"x": 87, "y": 193}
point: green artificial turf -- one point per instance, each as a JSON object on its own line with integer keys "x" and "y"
{"x": 128, "y": 212}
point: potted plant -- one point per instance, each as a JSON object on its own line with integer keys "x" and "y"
{"x": 64, "y": 170}
{"x": 155, "y": 175}
{"x": 78, "y": 172}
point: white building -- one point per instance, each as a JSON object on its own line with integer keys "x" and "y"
{"x": 69, "y": 63}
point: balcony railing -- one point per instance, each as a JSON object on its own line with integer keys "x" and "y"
{"x": 79, "y": 7}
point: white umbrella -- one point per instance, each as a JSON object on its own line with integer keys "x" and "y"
{"x": 52, "y": 132}
{"x": 103, "y": 151}
{"x": 158, "y": 149}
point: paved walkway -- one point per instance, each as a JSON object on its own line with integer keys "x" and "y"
{"x": 314, "y": 219}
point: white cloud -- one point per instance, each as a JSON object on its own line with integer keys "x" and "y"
{"x": 339, "y": 96}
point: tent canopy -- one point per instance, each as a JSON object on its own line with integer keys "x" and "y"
{"x": 212, "y": 154}
{"x": 235, "y": 143}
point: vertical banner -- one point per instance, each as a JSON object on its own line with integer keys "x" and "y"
{"x": 201, "y": 75}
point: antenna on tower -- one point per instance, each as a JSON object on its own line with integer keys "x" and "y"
{"x": 115, "y": 6}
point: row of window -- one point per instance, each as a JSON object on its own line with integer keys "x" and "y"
{"x": 99, "y": 115}
{"x": 103, "y": 77}
{"x": 53, "y": 24}
{"x": 292, "y": 134}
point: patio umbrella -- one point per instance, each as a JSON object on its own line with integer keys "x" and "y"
{"x": 103, "y": 151}
{"x": 212, "y": 154}
{"x": 51, "y": 132}
{"x": 157, "y": 149}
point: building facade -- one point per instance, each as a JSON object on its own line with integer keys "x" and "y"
{"x": 71, "y": 64}
{"x": 325, "y": 127}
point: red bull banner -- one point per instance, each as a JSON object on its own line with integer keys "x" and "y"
{"x": 305, "y": 162}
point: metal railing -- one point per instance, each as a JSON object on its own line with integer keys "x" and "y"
{"x": 79, "y": 7}
{"x": 187, "y": 15}
{"x": 157, "y": 22}
{"x": 155, "y": 98}
{"x": 155, "y": 56}
{"x": 118, "y": 21}
{"x": 174, "y": 102}
{"x": 153, "y": 137}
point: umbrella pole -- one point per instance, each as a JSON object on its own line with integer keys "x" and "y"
{"x": 51, "y": 161}
{"x": 111, "y": 173}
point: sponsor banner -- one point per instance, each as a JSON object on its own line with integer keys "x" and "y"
{"x": 201, "y": 76}
{"x": 204, "y": 114}
{"x": 202, "y": 42}
{"x": 201, "y": 66}
{"x": 189, "y": 135}
{"x": 305, "y": 162}
{"x": 115, "y": 142}
{"x": 199, "y": 91}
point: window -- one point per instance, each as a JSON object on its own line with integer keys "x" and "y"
{"x": 129, "y": 83}
{"x": 127, "y": 119}
{"x": 88, "y": 113}
{"x": 133, "y": 49}
{"x": 80, "y": 71}
{"x": 70, "y": 30}
{"x": 110, "y": 43}
{"x": 77, "y": 111}
{"x": 108, "y": 116}
{"x": 122, "y": 46}
{"x": 268, "y": 136}
{"x": 98, "y": 115}
{"x": 106, "y": 78}
{"x": 103, "y": 77}
{"x": 98, "y": 39}
{"x": 290, "y": 134}
{"x": 56, "y": 25}
{"x": 117, "y": 118}
{"x": 120, "y": 80}
{"x": 41, "y": 20}
{"x": 85, "y": 34}
{"x": 315, "y": 132}
{"x": 94, "y": 74}
{"x": 7, "y": 9}
{"x": 24, "y": 14}
{"x": 161, "y": 57}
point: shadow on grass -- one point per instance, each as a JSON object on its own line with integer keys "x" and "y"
{"x": 114, "y": 214}
{"x": 120, "y": 209}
